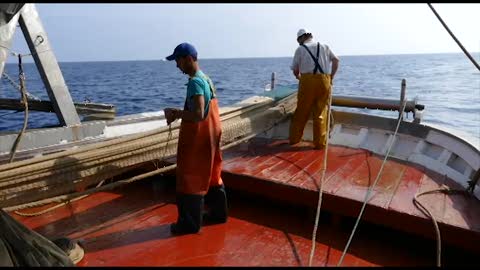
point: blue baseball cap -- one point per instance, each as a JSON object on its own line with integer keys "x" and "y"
{"x": 181, "y": 50}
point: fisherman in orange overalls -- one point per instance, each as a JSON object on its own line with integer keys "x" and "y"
{"x": 315, "y": 74}
{"x": 199, "y": 159}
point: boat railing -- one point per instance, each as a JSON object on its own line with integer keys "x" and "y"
{"x": 277, "y": 92}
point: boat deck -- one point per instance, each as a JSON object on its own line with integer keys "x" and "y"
{"x": 275, "y": 169}
{"x": 130, "y": 227}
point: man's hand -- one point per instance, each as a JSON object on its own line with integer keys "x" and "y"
{"x": 171, "y": 114}
{"x": 296, "y": 73}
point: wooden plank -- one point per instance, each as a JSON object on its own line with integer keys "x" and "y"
{"x": 336, "y": 158}
{"x": 341, "y": 176}
{"x": 435, "y": 202}
{"x": 246, "y": 163}
{"x": 309, "y": 179}
{"x": 263, "y": 170}
{"x": 388, "y": 184}
{"x": 402, "y": 201}
{"x": 284, "y": 163}
{"x": 297, "y": 165}
{"x": 357, "y": 185}
{"x": 260, "y": 158}
{"x": 305, "y": 164}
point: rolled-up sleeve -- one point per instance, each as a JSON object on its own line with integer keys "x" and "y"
{"x": 296, "y": 60}
{"x": 331, "y": 55}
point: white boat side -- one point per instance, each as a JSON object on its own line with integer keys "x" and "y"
{"x": 425, "y": 145}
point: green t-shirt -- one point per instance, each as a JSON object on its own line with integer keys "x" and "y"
{"x": 199, "y": 85}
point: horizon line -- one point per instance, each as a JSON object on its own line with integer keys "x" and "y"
{"x": 251, "y": 57}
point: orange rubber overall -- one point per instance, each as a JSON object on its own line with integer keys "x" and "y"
{"x": 199, "y": 159}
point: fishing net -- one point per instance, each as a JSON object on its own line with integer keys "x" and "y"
{"x": 20, "y": 246}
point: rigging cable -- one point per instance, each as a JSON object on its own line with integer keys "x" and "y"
{"x": 453, "y": 36}
{"x": 21, "y": 77}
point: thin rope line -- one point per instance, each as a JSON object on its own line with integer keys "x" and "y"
{"x": 371, "y": 187}
{"x": 319, "y": 204}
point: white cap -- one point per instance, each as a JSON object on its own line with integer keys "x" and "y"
{"x": 302, "y": 32}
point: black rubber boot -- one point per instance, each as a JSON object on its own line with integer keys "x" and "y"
{"x": 189, "y": 214}
{"x": 216, "y": 199}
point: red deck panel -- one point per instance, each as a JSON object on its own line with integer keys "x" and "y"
{"x": 258, "y": 164}
{"x": 42, "y": 222}
{"x": 336, "y": 159}
{"x": 356, "y": 185}
{"x": 297, "y": 168}
{"x": 436, "y": 201}
{"x": 461, "y": 211}
{"x": 284, "y": 161}
{"x": 135, "y": 232}
{"x": 335, "y": 181}
{"x": 409, "y": 185}
{"x": 290, "y": 170}
{"x": 130, "y": 225}
{"x": 349, "y": 174}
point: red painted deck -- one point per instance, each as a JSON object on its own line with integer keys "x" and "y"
{"x": 130, "y": 227}
{"x": 296, "y": 172}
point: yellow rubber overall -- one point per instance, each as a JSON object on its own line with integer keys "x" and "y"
{"x": 312, "y": 99}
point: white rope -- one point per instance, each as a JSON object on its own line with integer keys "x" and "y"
{"x": 320, "y": 192}
{"x": 374, "y": 184}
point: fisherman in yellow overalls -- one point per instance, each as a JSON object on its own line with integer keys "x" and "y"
{"x": 315, "y": 74}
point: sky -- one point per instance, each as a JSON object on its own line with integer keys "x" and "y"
{"x": 116, "y": 32}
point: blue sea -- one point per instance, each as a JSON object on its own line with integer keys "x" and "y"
{"x": 447, "y": 84}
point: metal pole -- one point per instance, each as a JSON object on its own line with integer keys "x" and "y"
{"x": 402, "y": 97}
{"x": 273, "y": 80}
{"x": 374, "y": 103}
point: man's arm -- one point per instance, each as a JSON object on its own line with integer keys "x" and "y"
{"x": 197, "y": 114}
{"x": 295, "y": 66}
{"x": 335, "y": 63}
{"x": 172, "y": 114}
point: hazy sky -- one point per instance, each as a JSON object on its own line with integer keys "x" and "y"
{"x": 104, "y": 32}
